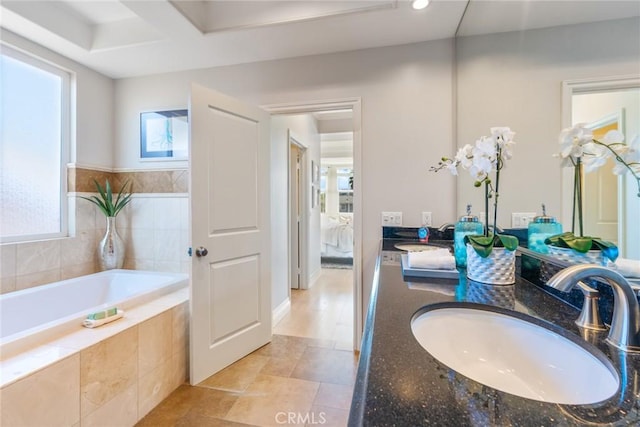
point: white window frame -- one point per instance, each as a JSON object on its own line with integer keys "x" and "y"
{"x": 65, "y": 140}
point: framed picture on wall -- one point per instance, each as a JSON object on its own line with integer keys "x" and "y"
{"x": 315, "y": 172}
{"x": 164, "y": 135}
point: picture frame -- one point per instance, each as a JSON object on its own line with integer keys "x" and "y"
{"x": 315, "y": 172}
{"x": 313, "y": 196}
{"x": 164, "y": 135}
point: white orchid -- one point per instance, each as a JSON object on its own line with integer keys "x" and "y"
{"x": 572, "y": 141}
{"x": 578, "y": 148}
{"x": 464, "y": 157}
{"x": 486, "y": 156}
{"x": 630, "y": 157}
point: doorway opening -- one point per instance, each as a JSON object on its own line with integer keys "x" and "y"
{"x": 297, "y": 195}
{"x": 329, "y": 306}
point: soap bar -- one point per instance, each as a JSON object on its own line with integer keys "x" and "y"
{"x": 103, "y": 314}
{"x": 94, "y": 323}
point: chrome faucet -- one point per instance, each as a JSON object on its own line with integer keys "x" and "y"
{"x": 625, "y": 323}
{"x": 445, "y": 227}
{"x": 589, "y": 316}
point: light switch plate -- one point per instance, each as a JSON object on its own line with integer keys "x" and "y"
{"x": 391, "y": 218}
{"x": 521, "y": 219}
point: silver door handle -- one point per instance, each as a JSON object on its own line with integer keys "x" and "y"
{"x": 201, "y": 251}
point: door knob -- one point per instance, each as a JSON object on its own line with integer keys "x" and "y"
{"x": 201, "y": 251}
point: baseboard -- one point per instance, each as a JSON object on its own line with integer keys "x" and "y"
{"x": 313, "y": 278}
{"x": 280, "y": 311}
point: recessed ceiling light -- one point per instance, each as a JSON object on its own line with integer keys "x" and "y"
{"x": 419, "y": 4}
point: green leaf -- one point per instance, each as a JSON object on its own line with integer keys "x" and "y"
{"x": 483, "y": 245}
{"x": 480, "y": 240}
{"x": 509, "y": 242}
{"x": 583, "y": 244}
{"x": 105, "y": 200}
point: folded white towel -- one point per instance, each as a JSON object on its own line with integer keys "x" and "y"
{"x": 627, "y": 267}
{"x": 90, "y": 323}
{"x": 430, "y": 252}
{"x": 440, "y": 259}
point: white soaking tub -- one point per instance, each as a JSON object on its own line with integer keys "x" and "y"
{"x": 82, "y": 376}
{"x": 29, "y": 316}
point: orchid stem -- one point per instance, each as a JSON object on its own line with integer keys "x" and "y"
{"x": 486, "y": 209}
{"x": 579, "y": 195}
{"x": 495, "y": 201}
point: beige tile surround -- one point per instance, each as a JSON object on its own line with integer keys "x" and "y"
{"x": 154, "y": 227}
{"x": 114, "y": 382}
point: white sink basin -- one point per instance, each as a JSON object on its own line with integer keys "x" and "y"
{"x": 515, "y": 356}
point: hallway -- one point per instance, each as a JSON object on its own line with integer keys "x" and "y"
{"x": 305, "y": 376}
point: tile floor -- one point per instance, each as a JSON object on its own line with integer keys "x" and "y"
{"x": 305, "y": 376}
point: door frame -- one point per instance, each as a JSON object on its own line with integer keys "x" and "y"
{"x": 303, "y": 236}
{"x": 596, "y": 84}
{"x": 355, "y": 104}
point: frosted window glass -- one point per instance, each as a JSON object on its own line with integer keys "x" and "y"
{"x": 31, "y": 149}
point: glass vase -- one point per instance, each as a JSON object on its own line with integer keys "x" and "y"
{"x": 111, "y": 247}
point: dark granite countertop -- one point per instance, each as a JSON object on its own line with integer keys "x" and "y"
{"x": 400, "y": 384}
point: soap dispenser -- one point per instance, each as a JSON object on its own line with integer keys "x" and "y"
{"x": 467, "y": 224}
{"x": 540, "y": 228}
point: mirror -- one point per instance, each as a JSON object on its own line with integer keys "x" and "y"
{"x": 527, "y": 80}
{"x": 611, "y": 202}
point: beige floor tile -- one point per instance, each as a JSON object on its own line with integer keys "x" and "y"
{"x": 279, "y": 367}
{"x": 327, "y": 366}
{"x": 283, "y": 347}
{"x": 270, "y": 399}
{"x": 327, "y": 416}
{"x": 312, "y": 344}
{"x": 334, "y": 395}
{"x": 172, "y": 408}
{"x": 238, "y": 376}
{"x": 197, "y": 420}
{"x": 323, "y": 312}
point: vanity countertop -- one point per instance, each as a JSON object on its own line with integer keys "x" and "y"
{"x": 400, "y": 384}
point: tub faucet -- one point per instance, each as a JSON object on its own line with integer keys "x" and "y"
{"x": 625, "y": 322}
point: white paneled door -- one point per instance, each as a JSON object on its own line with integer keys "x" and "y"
{"x": 230, "y": 289}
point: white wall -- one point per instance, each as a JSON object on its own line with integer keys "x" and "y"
{"x": 514, "y": 79}
{"x": 304, "y": 128}
{"x": 406, "y": 120}
{"x": 593, "y": 106}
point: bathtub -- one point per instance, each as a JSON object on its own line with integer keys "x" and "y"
{"x": 29, "y": 316}
{"x": 119, "y": 371}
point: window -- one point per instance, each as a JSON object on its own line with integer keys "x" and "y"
{"x": 345, "y": 190}
{"x": 324, "y": 171}
{"x": 34, "y": 143}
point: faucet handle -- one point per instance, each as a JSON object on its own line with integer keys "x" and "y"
{"x": 589, "y": 317}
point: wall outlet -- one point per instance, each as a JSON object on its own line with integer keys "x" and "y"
{"x": 521, "y": 219}
{"x": 392, "y": 219}
{"x": 426, "y": 219}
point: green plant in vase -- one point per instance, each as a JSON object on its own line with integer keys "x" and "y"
{"x": 484, "y": 159}
{"x": 111, "y": 248}
{"x": 105, "y": 201}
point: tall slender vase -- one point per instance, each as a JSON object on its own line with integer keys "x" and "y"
{"x": 111, "y": 248}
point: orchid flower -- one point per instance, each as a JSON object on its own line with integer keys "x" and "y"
{"x": 486, "y": 156}
{"x": 572, "y": 141}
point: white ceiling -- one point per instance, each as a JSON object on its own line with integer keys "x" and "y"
{"x": 124, "y": 38}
